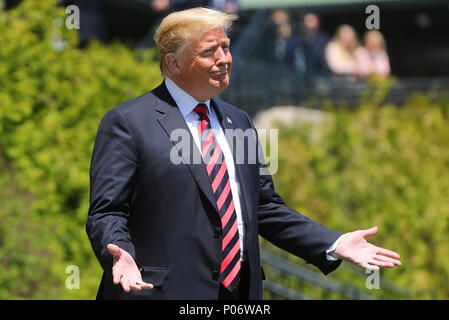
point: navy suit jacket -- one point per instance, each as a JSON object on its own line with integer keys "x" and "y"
{"x": 164, "y": 214}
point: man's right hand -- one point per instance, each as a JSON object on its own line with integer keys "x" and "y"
{"x": 125, "y": 271}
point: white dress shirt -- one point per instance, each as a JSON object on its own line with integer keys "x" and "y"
{"x": 186, "y": 104}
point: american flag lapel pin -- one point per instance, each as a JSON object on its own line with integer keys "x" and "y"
{"x": 229, "y": 120}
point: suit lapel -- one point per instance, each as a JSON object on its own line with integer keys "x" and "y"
{"x": 171, "y": 119}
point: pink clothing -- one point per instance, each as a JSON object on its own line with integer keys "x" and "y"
{"x": 368, "y": 63}
{"x": 339, "y": 59}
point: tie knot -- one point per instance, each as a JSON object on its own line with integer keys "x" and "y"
{"x": 201, "y": 110}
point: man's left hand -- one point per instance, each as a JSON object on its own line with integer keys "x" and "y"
{"x": 354, "y": 248}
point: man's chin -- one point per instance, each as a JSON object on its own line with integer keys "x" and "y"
{"x": 220, "y": 84}
{"x": 222, "y": 81}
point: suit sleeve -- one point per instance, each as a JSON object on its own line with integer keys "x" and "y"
{"x": 289, "y": 229}
{"x": 112, "y": 175}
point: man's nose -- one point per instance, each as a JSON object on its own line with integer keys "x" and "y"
{"x": 222, "y": 56}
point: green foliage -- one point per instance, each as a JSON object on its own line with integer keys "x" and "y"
{"x": 378, "y": 165}
{"x": 29, "y": 254}
{"x": 52, "y": 98}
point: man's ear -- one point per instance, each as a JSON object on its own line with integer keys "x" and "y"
{"x": 172, "y": 64}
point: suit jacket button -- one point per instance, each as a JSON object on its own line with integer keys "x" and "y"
{"x": 215, "y": 275}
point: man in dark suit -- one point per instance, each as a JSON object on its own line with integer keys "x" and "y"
{"x": 176, "y": 209}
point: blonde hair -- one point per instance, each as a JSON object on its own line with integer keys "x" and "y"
{"x": 348, "y": 31}
{"x": 377, "y": 37}
{"x": 180, "y": 28}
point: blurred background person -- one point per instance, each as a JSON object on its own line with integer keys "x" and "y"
{"x": 160, "y": 5}
{"x": 228, "y": 6}
{"x": 92, "y": 19}
{"x": 340, "y": 51}
{"x": 372, "y": 57}
{"x": 314, "y": 43}
{"x": 287, "y": 47}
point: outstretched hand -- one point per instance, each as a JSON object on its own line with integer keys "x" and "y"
{"x": 354, "y": 248}
{"x": 125, "y": 271}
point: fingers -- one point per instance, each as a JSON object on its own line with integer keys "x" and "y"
{"x": 117, "y": 277}
{"x": 370, "y": 266}
{"x": 391, "y": 261}
{"x": 135, "y": 285}
{"x": 376, "y": 261}
{"x": 145, "y": 285}
{"x": 376, "y": 264}
{"x": 128, "y": 284}
{"x": 124, "y": 282}
{"x": 131, "y": 283}
{"x": 381, "y": 252}
{"x": 387, "y": 253}
{"x": 380, "y": 263}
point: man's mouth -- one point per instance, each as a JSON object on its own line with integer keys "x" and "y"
{"x": 219, "y": 73}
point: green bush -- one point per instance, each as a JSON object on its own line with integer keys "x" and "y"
{"x": 29, "y": 255}
{"x": 378, "y": 165}
{"x": 52, "y": 98}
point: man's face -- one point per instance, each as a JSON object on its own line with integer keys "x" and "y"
{"x": 205, "y": 65}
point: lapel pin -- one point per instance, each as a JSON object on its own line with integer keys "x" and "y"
{"x": 229, "y": 120}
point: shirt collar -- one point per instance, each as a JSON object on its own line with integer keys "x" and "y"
{"x": 186, "y": 103}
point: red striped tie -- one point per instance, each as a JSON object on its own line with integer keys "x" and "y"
{"x": 218, "y": 174}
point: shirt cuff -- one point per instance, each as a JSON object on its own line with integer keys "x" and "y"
{"x": 330, "y": 253}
